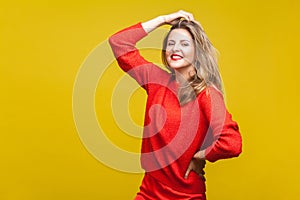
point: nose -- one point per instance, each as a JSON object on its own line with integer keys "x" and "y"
{"x": 176, "y": 47}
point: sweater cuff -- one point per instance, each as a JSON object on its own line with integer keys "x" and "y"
{"x": 209, "y": 154}
{"x": 140, "y": 25}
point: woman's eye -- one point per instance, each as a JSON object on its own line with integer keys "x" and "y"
{"x": 185, "y": 44}
{"x": 170, "y": 43}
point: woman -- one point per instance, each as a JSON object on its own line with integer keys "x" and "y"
{"x": 186, "y": 121}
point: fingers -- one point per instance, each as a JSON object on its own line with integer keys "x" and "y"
{"x": 197, "y": 166}
{"x": 175, "y": 21}
{"x": 187, "y": 172}
{"x": 201, "y": 173}
{"x": 188, "y": 16}
{"x": 175, "y": 17}
{"x": 202, "y": 176}
{"x": 201, "y": 164}
{"x": 182, "y": 14}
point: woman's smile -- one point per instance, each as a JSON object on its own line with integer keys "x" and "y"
{"x": 176, "y": 57}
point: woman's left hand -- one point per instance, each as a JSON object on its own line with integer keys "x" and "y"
{"x": 197, "y": 164}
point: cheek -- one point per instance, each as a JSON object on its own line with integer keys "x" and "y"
{"x": 168, "y": 51}
{"x": 167, "y": 57}
{"x": 193, "y": 52}
{"x": 167, "y": 54}
{"x": 190, "y": 54}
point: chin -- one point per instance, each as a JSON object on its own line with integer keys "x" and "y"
{"x": 178, "y": 65}
{"x": 172, "y": 66}
{"x": 175, "y": 65}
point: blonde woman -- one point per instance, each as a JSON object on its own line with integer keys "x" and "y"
{"x": 186, "y": 121}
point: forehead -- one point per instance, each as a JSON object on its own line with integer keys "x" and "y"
{"x": 180, "y": 34}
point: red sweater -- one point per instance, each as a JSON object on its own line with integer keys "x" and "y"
{"x": 173, "y": 133}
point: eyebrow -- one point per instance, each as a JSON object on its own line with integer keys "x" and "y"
{"x": 180, "y": 41}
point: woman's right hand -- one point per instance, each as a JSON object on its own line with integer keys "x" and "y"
{"x": 173, "y": 18}
{"x": 170, "y": 19}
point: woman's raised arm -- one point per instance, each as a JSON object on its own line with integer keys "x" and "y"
{"x": 123, "y": 44}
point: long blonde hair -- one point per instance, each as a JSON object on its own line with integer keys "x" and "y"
{"x": 205, "y": 62}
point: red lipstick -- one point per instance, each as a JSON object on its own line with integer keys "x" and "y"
{"x": 176, "y": 57}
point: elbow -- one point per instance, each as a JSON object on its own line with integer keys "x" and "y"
{"x": 116, "y": 41}
{"x": 236, "y": 147}
{"x": 237, "y": 150}
{"x": 224, "y": 150}
{"x": 112, "y": 41}
{"x": 119, "y": 46}
{"x": 233, "y": 143}
{"x": 231, "y": 147}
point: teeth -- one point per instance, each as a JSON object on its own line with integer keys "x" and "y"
{"x": 176, "y": 56}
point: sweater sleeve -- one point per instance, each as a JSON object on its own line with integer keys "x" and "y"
{"x": 226, "y": 138}
{"x": 129, "y": 58}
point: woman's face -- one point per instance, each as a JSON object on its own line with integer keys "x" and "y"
{"x": 180, "y": 49}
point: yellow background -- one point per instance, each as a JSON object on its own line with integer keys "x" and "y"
{"x": 43, "y": 45}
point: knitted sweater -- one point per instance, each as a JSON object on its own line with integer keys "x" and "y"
{"x": 172, "y": 133}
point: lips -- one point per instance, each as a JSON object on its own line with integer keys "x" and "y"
{"x": 176, "y": 57}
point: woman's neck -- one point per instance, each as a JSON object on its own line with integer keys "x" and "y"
{"x": 184, "y": 75}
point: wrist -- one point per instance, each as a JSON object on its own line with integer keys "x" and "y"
{"x": 162, "y": 19}
{"x": 202, "y": 154}
{"x": 153, "y": 23}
